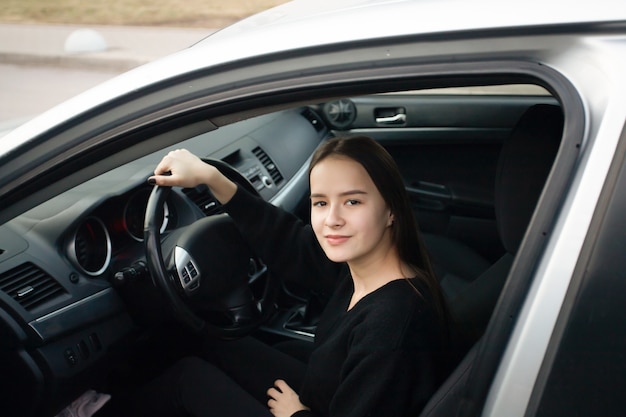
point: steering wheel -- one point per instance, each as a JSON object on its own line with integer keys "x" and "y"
{"x": 207, "y": 270}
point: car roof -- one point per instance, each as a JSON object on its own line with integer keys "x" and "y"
{"x": 305, "y": 23}
{"x": 348, "y": 20}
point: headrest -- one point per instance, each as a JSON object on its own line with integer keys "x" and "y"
{"x": 523, "y": 167}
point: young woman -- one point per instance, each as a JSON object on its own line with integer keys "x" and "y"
{"x": 379, "y": 344}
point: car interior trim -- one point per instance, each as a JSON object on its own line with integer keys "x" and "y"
{"x": 102, "y": 304}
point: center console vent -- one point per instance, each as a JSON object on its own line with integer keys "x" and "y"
{"x": 269, "y": 165}
{"x": 203, "y": 198}
{"x": 30, "y": 286}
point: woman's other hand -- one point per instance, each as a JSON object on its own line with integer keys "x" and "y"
{"x": 284, "y": 401}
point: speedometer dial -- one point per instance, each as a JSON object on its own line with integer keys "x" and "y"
{"x": 135, "y": 213}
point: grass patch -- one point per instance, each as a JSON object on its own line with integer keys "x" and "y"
{"x": 177, "y": 13}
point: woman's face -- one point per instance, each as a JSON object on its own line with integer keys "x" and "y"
{"x": 349, "y": 216}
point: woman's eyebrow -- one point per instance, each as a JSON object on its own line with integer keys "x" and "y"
{"x": 342, "y": 194}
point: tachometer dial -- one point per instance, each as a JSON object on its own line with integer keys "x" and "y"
{"x": 90, "y": 247}
{"x": 135, "y": 213}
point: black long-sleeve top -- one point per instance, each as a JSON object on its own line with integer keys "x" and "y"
{"x": 380, "y": 358}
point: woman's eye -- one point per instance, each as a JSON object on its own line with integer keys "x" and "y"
{"x": 352, "y": 202}
{"x": 318, "y": 203}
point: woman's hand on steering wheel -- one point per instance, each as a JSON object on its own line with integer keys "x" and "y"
{"x": 183, "y": 169}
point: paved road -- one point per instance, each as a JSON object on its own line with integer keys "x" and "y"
{"x": 37, "y": 71}
{"x": 27, "y": 90}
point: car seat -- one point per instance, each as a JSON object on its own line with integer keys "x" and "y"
{"x": 523, "y": 167}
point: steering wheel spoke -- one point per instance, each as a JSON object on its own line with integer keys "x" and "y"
{"x": 188, "y": 272}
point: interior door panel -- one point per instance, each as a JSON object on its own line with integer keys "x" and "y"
{"x": 447, "y": 148}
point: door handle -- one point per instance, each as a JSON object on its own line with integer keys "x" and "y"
{"x": 396, "y": 119}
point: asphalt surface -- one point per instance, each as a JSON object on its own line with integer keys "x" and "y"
{"x": 126, "y": 47}
{"x": 43, "y": 65}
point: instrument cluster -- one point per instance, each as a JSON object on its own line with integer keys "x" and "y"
{"x": 114, "y": 226}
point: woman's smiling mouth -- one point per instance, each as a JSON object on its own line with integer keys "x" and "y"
{"x": 335, "y": 240}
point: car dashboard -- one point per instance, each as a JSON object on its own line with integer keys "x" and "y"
{"x": 65, "y": 266}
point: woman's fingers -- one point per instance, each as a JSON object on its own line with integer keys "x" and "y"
{"x": 274, "y": 392}
{"x": 281, "y": 385}
{"x": 283, "y": 400}
{"x": 178, "y": 168}
{"x": 187, "y": 170}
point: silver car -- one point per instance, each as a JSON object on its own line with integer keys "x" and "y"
{"x": 506, "y": 119}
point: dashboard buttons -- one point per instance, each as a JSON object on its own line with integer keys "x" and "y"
{"x": 188, "y": 273}
{"x": 71, "y": 357}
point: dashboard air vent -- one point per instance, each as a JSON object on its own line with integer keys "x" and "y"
{"x": 313, "y": 118}
{"x": 30, "y": 286}
{"x": 269, "y": 165}
{"x": 203, "y": 198}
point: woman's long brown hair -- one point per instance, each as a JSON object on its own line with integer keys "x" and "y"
{"x": 385, "y": 174}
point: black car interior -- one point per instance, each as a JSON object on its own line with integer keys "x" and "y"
{"x": 524, "y": 165}
{"x": 78, "y": 304}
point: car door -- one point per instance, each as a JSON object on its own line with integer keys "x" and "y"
{"x": 584, "y": 370}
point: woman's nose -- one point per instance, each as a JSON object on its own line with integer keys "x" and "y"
{"x": 334, "y": 218}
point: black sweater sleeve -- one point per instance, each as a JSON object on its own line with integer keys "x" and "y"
{"x": 285, "y": 244}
